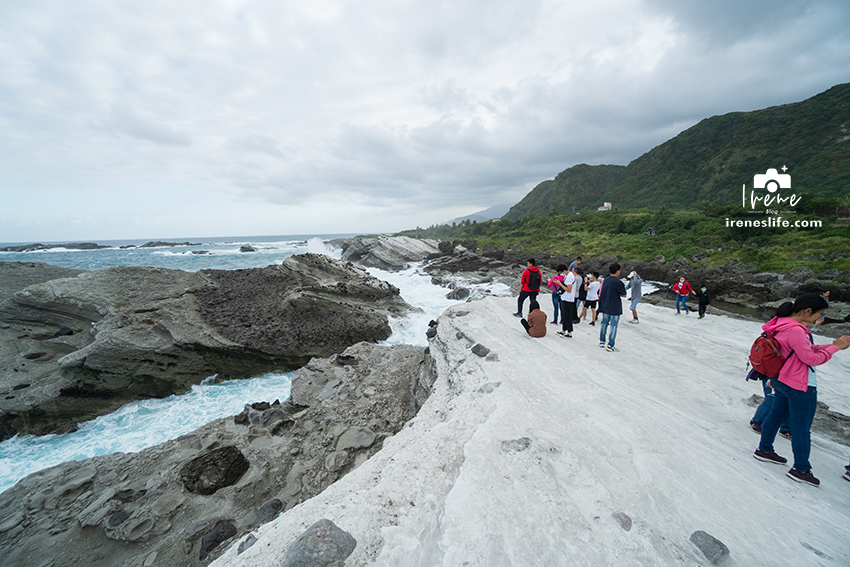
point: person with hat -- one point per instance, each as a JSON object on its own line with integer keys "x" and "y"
{"x": 634, "y": 284}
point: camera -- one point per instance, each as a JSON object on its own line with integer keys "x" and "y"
{"x": 772, "y": 180}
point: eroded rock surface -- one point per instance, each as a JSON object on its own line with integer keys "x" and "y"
{"x": 77, "y": 347}
{"x": 123, "y": 509}
{"x": 386, "y": 252}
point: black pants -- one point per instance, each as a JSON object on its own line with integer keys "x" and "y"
{"x": 568, "y": 314}
{"x": 522, "y": 296}
{"x": 702, "y": 308}
{"x": 526, "y": 325}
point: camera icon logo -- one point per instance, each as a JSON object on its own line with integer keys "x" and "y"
{"x": 772, "y": 180}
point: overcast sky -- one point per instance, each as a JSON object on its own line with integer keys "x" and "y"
{"x": 181, "y": 118}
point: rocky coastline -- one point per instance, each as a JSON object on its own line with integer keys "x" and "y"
{"x": 735, "y": 287}
{"x": 182, "y": 502}
{"x": 81, "y": 346}
{"x": 188, "y": 500}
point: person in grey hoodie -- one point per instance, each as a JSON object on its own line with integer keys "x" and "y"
{"x": 634, "y": 284}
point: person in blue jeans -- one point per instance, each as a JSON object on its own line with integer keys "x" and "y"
{"x": 764, "y": 409}
{"x": 556, "y": 290}
{"x": 611, "y": 307}
{"x": 796, "y": 386}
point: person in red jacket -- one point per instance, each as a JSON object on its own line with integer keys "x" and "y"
{"x": 531, "y": 280}
{"x": 682, "y": 289}
{"x": 796, "y": 393}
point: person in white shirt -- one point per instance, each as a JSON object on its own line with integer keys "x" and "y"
{"x": 569, "y": 291}
{"x": 592, "y": 298}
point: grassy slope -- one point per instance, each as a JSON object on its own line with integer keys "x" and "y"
{"x": 709, "y": 162}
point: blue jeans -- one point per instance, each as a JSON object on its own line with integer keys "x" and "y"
{"x": 613, "y": 320}
{"x": 764, "y": 409}
{"x": 683, "y": 299}
{"x": 798, "y": 408}
{"x": 556, "y": 301}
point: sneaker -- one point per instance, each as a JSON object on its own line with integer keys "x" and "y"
{"x": 846, "y": 476}
{"x": 562, "y": 333}
{"x": 804, "y": 477}
{"x": 592, "y": 323}
{"x": 677, "y": 313}
{"x": 553, "y": 323}
{"x": 786, "y": 434}
{"x": 701, "y": 316}
{"x": 569, "y": 335}
{"x": 576, "y": 321}
{"x": 769, "y": 457}
{"x": 517, "y": 314}
{"x": 634, "y": 321}
{"x": 756, "y": 427}
{"x": 609, "y": 348}
{"x": 601, "y": 345}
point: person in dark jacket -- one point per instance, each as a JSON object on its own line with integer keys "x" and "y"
{"x": 531, "y": 280}
{"x": 611, "y": 307}
{"x": 704, "y": 299}
{"x": 536, "y": 323}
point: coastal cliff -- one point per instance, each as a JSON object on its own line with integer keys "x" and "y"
{"x": 77, "y": 347}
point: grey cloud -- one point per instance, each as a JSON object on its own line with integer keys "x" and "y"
{"x": 127, "y": 121}
{"x": 255, "y": 143}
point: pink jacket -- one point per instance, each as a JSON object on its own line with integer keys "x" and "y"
{"x": 793, "y": 336}
{"x": 554, "y": 286}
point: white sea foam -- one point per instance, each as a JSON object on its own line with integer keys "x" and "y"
{"x": 138, "y": 425}
{"x": 146, "y": 423}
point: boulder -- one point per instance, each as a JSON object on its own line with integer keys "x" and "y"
{"x": 324, "y": 544}
{"x": 114, "y": 509}
{"x": 86, "y": 345}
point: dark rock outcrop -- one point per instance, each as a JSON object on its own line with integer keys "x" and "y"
{"x": 160, "y": 244}
{"x": 122, "y": 509}
{"x": 68, "y": 246}
{"x": 88, "y": 344}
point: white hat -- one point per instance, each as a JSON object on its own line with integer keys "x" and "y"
{"x": 633, "y": 274}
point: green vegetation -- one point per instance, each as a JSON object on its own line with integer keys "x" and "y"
{"x": 688, "y": 233}
{"x": 710, "y": 162}
{"x": 685, "y": 190}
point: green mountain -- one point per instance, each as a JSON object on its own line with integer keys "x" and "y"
{"x": 709, "y": 162}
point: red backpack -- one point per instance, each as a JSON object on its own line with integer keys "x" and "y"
{"x": 765, "y": 355}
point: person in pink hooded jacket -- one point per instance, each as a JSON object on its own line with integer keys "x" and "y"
{"x": 795, "y": 388}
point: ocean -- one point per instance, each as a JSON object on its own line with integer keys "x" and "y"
{"x": 143, "y": 424}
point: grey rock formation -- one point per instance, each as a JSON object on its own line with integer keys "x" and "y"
{"x": 68, "y": 246}
{"x": 160, "y": 244}
{"x": 79, "y": 347}
{"x": 121, "y": 509}
{"x": 324, "y": 544}
{"x": 385, "y": 252}
{"x": 713, "y": 549}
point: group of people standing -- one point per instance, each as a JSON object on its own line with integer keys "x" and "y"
{"x": 569, "y": 288}
{"x": 790, "y": 397}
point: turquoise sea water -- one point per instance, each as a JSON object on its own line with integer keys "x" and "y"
{"x": 146, "y": 423}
